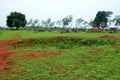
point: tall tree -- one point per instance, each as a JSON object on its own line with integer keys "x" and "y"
{"x": 47, "y": 23}
{"x": 102, "y": 18}
{"x": 16, "y": 19}
{"x": 79, "y": 22}
{"x": 67, "y": 20}
{"x": 33, "y": 23}
{"x": 117, "y": 20}
{"x": 109, "y": 13}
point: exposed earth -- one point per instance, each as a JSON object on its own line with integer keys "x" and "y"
{"x": 5, "y": 53}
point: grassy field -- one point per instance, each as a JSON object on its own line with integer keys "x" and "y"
{"x": 82, "y": 56}
{"x": 31, "y": 34}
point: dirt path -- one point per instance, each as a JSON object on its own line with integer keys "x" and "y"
{"x": 4, "y": 53}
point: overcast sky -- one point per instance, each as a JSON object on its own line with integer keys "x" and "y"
{"x": 57, "y": 9}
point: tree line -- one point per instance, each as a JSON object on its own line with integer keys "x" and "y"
{"x": 102, "y": 20}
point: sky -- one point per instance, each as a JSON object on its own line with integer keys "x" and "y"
{"x": 57, "y": 9}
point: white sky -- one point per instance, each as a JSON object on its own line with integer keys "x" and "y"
{"x": 57, "y": 9}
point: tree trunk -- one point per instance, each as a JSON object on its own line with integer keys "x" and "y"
{"x": 17, "y": 28}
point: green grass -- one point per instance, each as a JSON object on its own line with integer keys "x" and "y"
{"x": 6, "y": 34}
{"x": 78, "y": 64}
{"x": 95, "y": 62}
{"x": 57, "y": 43}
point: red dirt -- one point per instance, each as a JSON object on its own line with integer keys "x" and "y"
{"x": 52, "y": 53}
{"x": 96, "y": 31}
{"x": 5, "y": 53}
{"x": 35, "y": 54}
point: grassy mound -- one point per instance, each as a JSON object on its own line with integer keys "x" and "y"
{"x": 56, "y": 43}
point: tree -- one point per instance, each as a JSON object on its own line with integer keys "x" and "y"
{"x": 79, "y": 22}
{"x": 59, "y": 23}
{"x": 16, "y": 19}
{"x": 48, "y": 22}
{"x": 85, "y": 24}
{"x": 51, "y": 24}
{"x": 117, "y": 20}
{"x": 33, "y": 23}
{"x": 109, "y": 13}
{"x": 29, "y": 23}
{"x": 91, "y": 23}
{"x": 102, "y": 18}
{"x": 43, "y": 23}
{"x": 67, "y": 20}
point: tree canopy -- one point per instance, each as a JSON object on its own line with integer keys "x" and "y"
{"x": 16, "y": 19}
{"x": 101, "y": 19}
{"x": 67, "y": 20}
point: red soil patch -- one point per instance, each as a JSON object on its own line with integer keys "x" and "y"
{"x": 52, "y": 53}
{"x": 35, "y": 54}
{"x": 4, "y": 53}
{"x": 96, "y": 30}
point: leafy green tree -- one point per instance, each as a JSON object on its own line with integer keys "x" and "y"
{"x": 67, "y": 20}
{"x": 16, "y": 19}
{"x": 102, "y": 18}
{"x": 109, "y": 13}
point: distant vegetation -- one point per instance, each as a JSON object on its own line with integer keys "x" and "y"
{"x": 102, "y": 21}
